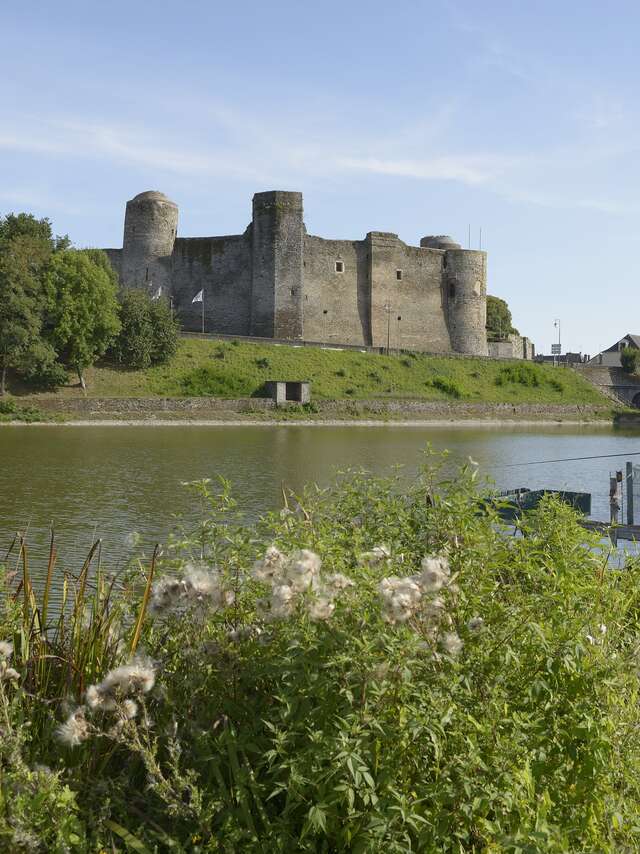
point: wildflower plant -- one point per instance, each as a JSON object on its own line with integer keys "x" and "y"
{"x": 379, "y": 668}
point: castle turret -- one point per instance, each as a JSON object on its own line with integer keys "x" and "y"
{"x": 150, "y": 225}
{"x": 466, "y": 285}
{"x": 277, "y": 250}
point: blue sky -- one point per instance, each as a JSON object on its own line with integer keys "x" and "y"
{"x": 413, "y": 117}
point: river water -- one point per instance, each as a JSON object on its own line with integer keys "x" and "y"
{"x": 109, "y": 481}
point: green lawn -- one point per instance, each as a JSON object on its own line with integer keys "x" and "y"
{"x": 237, "y": 369}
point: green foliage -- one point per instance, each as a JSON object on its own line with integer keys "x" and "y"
{"x": 23, "y": 258}
{"x": 446, "y": 386}
{"x": 499, "y": 322}
{"x": 10, "y": 410}
{"x": 530, "y": 377}
{"x": 15, "y": 226}
{"x": 148, "y": 334}
{"x": 523, "y": 374}
{"x": 500, "y": 713}
{"x": 629, "y": 359}
{"x": 82, "y": 307}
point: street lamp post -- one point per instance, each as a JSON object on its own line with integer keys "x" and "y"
{"x": 398, "y": 335}
{"x": 556, "y": 349}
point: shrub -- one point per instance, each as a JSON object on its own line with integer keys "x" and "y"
{"x": 40, "y": 367}
{"x": 375, "y": 667}
{"x": 446, "y": 386}
{"x": 629, "y": 358}
{"x": 149, "y": 333}
{"x": 525, "y": 375}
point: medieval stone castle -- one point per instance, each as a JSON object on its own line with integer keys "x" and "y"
{"x": 277, "y": 281}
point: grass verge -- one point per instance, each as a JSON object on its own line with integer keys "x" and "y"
{"x": 233, "y": 369}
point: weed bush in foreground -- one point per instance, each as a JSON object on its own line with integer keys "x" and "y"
{"x": 373, "y": 669}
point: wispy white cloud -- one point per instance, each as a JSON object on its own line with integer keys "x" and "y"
{"x": 473, "y": 170}
{"x": 114, "y": 143}
{"x": 275, "y": 155}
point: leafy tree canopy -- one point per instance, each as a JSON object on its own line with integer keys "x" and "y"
{"x": 82, "y": 311}
{"x": 499, "y": 322}
{"x": 23, "y": 258}
{"x": 13, "y": 226}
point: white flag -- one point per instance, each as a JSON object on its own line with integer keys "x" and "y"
{"x": 198, "y": 297}
{"x": 158, "y": 293}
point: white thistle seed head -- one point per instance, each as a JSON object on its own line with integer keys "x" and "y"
{"x": 74, "y": 730}
{"x": 6, "y": 649}
{"x": 451, "y": 644}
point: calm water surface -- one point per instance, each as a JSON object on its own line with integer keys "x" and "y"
{"x": 109, "y": 481}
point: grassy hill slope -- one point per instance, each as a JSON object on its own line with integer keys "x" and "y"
{"x": 237, "y": 369}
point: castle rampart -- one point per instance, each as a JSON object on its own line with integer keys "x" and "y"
{"x": 275, "y": 280}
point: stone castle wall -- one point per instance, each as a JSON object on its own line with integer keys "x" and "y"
{"x": 277, "y": 281}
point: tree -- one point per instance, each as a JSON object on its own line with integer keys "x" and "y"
{"x": 499, "y": 322}
{"x": 26, "y": 225}
{"x": 149, "y": 333}
{"x": 23, "y": 257}
{"x": 82, "y": 310}
{"x": 629, "y": 358}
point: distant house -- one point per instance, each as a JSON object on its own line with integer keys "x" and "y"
{"x": 610, "y": 358}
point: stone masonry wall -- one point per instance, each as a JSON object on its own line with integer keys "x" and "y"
{"x": 418, "y": 409}
{"x": 336, "y": 305}
{"x": 222, "y": 267}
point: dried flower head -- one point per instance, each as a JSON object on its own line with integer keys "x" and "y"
{"x": 435, "y": 573}
{"x": 451, "y": 644}
{"x": 377, "y": 556}
{"x": 400, "y": 598}
{"x": 198, "y": 587}
{"x": 74, "y": 730}
{"x": 135, "y": 679}
{"x": 338, "y": 581}
{"x": 165, "y": 595}
{"x": 271, "y": 566}
{"x": 282, "y": 602}
{"x": 434, "y": 608}
{"x": 8, "y": 674}
{"x": 130, "y": 709}
{"x": 321, "y": 608}
{"x": 302, "y": 568}
{"x": 6, "y": 649}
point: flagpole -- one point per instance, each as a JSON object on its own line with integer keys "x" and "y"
{"x": 203, "y": 311}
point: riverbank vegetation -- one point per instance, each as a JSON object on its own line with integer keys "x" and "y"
{"x": 231, "y": 369}
{"x": 369, "y": 669}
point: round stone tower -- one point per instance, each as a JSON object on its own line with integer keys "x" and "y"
{"x": 439, "y": 241}
{"x": 466, "y": 285}
{"x": 465, "y": 282}
{"x": 150, "y": 225}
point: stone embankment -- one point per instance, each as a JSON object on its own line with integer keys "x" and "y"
{"x": 613, "y": 382}
{"x": 220, "y": 409}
